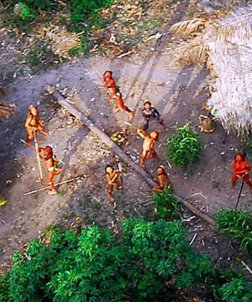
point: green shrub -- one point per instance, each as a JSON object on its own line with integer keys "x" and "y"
{"x": 184, "y": 146}
{"x": 96, "y": 266}
{"x": 238, "y": 290}
{"x": 26, "y": 14}
{"x": 237, "y": 225}
{"x": 82, "y": 11}
{"x": 4, "y": 288}
{"x": 39, "y": 4}
{"x": 167, "y": 206}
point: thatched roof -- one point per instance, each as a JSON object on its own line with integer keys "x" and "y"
{"x": 225, "y": 43}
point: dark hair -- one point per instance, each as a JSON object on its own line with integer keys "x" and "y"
{"x": 239, "y": 153}
{"x": 109, "y": 166}
{"x": 108, "y": 71}
{"x": 147, "y": 102}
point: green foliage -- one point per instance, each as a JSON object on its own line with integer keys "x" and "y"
{"x": 39, "y": 4}
{"x": 86, "y": 13}
{"x": 4, "y": 289}
{"x": 184, "y": 146}
{"x": 96, "y": 266}
{"x": 237, "y": 225}
{"x": 27, "y": 14}
{"x": 167, "y": 206}
{"x": 237, "y": 290}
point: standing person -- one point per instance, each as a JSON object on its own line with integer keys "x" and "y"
{"x": 109, "y": 84}
{"x": 149, "y": 113}
{"x": 121, "y": 106}
{"x": 241, "y": 170}
{"x": 52, "y": 166}
{"x": 148, "y": 151}
{"x": 114, "y": 180}
{"x": 162, "y": 179}
{"x": 33, "y": 123}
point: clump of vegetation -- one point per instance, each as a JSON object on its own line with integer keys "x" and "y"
{"x": 85, "y": 14}
{"x": 184, "y": 146}
{"x": 237, "y": 289}
{"x": 149, "y": 261}
{"x": 237, "y": 225}
{"x": 167, "y": 206}
{"x": 26, "y": 14}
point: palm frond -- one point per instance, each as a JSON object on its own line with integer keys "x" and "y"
{"x": 188, "y": 27}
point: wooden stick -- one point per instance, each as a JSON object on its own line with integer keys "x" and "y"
{"x": 38, "y": 158}
{"x": 57, "y": 184}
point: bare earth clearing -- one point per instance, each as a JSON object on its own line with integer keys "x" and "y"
{"x": 177, "y": 92}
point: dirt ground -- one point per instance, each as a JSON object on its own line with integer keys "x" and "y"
{"x": 178, "y": 92}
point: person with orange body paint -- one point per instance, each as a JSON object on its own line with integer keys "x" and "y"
{"x": 241, "y": 170}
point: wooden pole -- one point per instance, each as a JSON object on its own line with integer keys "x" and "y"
{"x": 238, "y": 199}
{"x": 57, "y": 184}
{"x": 106, "y": 139}
{"x": 38, "y": 158}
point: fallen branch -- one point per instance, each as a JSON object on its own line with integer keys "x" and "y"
{"x": 118, "y": 151}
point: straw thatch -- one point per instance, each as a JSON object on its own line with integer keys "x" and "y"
{"x": 225, "y": 44}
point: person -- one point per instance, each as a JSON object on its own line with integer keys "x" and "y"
{"x": 206, "y": 123}
{"x": 110, "y": 84}
{"x": 148, "y": 151}
{"x": 149, "y": 113}
{"x": 52, "y": 166}
{"x": 121, "y": 106}
{"x": 114, "y": 180}
{"x": 33, "y": 123}
{"x": 241, "y": 170}
{"x": 162, "y": 179}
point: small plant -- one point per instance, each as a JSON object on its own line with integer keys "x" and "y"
{"x": 26, "y": 14}
{"x": 237, "y": 225}
{"x": 237, "y": 290}
{"x": 184, "y": 146}
{"x": 82, "y": 11}
{"x": 166, "y": 204}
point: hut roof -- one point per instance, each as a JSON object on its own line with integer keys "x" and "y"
{"x": 225, "y": 43}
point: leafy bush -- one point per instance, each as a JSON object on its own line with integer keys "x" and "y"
{"x": 237, "y": 290}
{"x": 167, "y": 206}
{"x": 39, "y": 4}
{"x": 83, "y": 10}
{"x": 26, "y": 14}
{"x": 184, "y": 146}
{"x": 4, "y": 288}
{"x": 237, "y": 225}
{"x": 147, "y": 262}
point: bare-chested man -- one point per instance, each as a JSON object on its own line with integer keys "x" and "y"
{"x": 51, "y": 164}
{"x": 114, "y": 180}
{"x": 109, "y": 84}
{"x": 148, "y": 146}
{"x": 162, "y": 179}
{"x": 33, "y": 123}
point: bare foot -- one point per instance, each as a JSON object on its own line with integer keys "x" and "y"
{"x": 116, "y": 110}
{"x": 131, "y": 115}
{"x": 52, "y": 192}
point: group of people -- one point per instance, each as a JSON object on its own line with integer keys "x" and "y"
{"x": 33, "y": 123}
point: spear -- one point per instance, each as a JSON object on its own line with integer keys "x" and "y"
{"x": 38, "y": 158}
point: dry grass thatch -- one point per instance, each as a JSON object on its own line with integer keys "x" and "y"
{"x": 225, "y": 44}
